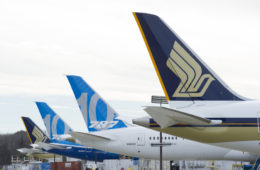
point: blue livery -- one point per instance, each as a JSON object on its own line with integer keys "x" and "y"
{"x": 53, "y": 123}
{"x": 97, "y": 114}
{"x": 182, "y": 74}
{"x": 71, "y": 149}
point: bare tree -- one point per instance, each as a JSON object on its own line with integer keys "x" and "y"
{"x": 9, "y": 143}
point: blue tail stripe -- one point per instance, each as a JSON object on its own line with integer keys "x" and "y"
{"x": 101, "y": 109}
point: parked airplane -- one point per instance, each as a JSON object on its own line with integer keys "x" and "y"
{"x": 59, "y": 130}
{"x": 203, "y": 107}
{"x": 110, "y": 133}
{"x": 65, "y": 148}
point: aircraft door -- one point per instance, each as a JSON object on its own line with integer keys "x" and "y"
{"x": 140, "y": 139}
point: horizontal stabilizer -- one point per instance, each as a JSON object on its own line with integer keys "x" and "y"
{"x": 36, "y": 153}
{"x": 166, "y": 117}
{"x": 29, "y": 151}
{"x": 49, "y": 146}
{"x": 88, "y": 137}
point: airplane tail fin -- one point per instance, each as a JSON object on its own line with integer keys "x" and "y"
{"x": 182, "y": 74}
{"x": 98, "y": 114}
{"x": 53, "y": 122}
{"x": 35, "y": 134}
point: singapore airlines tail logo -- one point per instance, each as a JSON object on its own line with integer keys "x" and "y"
{"x": 189, "y": 71}
{"x": 38, "y": 135}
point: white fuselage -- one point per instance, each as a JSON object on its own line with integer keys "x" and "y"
{"x": 137, "y": 142}
{"x": 243, "y": 136}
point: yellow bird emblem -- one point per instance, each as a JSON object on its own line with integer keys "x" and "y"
{"x": 189, "y": 71}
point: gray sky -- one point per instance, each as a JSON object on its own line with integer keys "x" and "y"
{"x": 41, "y": 41}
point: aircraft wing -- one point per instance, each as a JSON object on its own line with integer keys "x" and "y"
{"x": 36, "y": 153}
{"x": 166, "y": 117}
{"x": 88, "y": 137}
{"x": 30, "y": 151}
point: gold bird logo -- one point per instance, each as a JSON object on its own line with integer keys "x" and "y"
{"x": 38, "y": 135}
{"x": 189, "y": 71}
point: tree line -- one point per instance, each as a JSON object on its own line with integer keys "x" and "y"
{"x": 9, "y": 143}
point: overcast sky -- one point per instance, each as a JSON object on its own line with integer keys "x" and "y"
{"x": 42, "y": 41}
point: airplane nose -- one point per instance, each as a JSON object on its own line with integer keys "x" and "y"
{"x": 142, "y": 121}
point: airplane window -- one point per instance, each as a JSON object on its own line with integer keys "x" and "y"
{"x": 150, "y": 138}
{"x": 172, "y": 138}
{"x": 176, "y": 137}
{"x": 169, "y": 137}
{"x": 165, "y": 138}
{"x": 158, "y": 138}
{"x": 153, "y": 138}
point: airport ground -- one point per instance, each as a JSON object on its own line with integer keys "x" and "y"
{"x": 122, "y": 164}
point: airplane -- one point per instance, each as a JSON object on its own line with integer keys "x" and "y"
{"x": 40, "y": 140}
{"x": 59, "y": 130}
{"x": 107, "y": 131}
{"x": 201, "y": 106}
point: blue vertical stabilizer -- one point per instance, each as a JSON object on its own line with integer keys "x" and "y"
{"x": 53, "y": 122}
{"x": 97, "y": 113}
